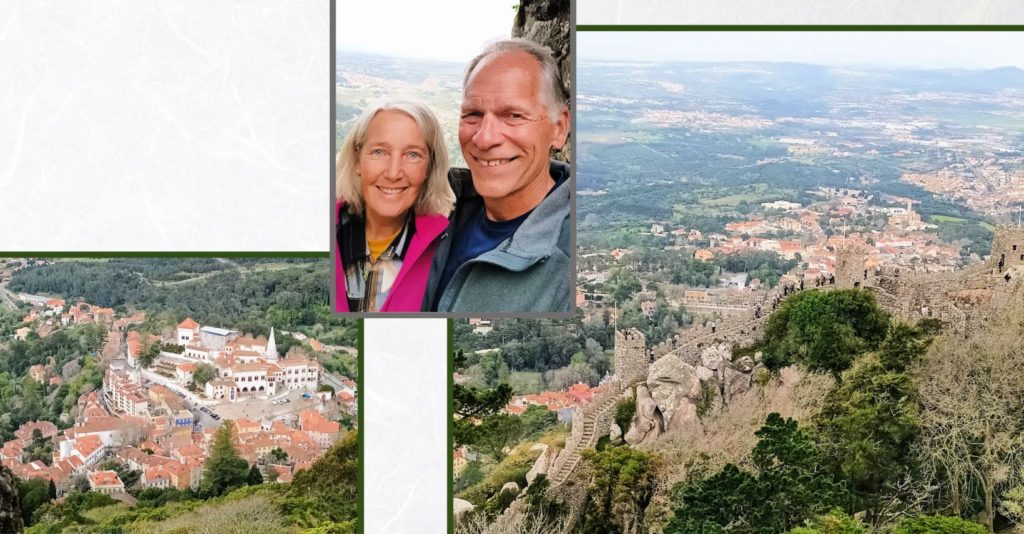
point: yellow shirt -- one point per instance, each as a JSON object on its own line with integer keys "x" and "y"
{"x": 377, "y": 247}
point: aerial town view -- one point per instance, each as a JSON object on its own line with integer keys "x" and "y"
{"x": 119, "y": 407}
{"x": 800, "y": 305}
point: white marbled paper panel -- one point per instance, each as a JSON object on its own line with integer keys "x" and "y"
{"x": 188, "y": 125}
{"x": 405, "y": 410}
{"x": 800, "y": 12}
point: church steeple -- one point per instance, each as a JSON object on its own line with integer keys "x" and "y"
{"x": 271, "y": 346}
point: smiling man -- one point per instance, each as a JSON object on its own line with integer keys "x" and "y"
{"x": 507, "y": 248}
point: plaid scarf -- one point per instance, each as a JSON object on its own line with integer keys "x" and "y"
{"x": 368, "y": 282}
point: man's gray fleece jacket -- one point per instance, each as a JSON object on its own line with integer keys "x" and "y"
{"x": 528, "y": 272}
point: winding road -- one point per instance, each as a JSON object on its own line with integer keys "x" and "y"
{"x": 7, "y": 297}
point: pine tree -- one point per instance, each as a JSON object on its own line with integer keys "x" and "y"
{"x": 868, "y": 425}
{"x": 785, "y": 488}
{"x": 149, "y": 355}
{"x": 255, "y": 477}
{"x": 225, "y": 469}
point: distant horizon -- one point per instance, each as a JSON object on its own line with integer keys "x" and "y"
{"x": 699, "y": 62}
{"x": 879, "y": 49}
{"x": 789, "y": 62}
{"x": 341, "y": 51}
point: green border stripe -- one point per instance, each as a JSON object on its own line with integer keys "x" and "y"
{"x": 451, "y": 426}
{"x": 161, "y": 254}
{"x": 360, "y": 520}
{"x": 796, "y": 27}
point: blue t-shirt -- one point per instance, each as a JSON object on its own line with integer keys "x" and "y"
{"x": 480, "y": 235}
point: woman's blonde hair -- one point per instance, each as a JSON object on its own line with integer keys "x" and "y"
{"x": 436, "y": 194}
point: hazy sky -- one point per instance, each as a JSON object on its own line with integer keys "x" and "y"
{"x": 454, "y": 30}
{"x": 884, "y": 49}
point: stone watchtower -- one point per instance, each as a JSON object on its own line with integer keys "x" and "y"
{"x": 849, "y": 266}
{"x": 631, "y": 359}
{"x": 1008, "y": 246}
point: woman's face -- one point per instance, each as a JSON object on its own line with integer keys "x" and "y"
{"x": 393, "y": 163}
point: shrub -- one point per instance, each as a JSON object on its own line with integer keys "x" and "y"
{"x": 625, "y": 409}
{"x": 937, "y": 524}
{"x": 708, "y": 393}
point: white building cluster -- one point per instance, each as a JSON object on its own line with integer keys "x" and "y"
{"x": 123, "y": 392}
{"x": 245, "y": 365}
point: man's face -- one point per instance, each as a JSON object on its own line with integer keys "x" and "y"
{"x": 506, "y": 134}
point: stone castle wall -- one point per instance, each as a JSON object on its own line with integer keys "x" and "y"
{"x": 737, "y": 333}
{"x": 961, "y": 299}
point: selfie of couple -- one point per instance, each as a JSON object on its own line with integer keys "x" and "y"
{"x": 414, "y": 235}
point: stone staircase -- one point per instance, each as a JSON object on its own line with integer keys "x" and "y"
{"x": 596, "y": 423}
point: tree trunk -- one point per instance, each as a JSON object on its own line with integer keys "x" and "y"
{"x": 954, "y": 496}
{"x": 988, "y": 500}
{"x": 989, "y": 468}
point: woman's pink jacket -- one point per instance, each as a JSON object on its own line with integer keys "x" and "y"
{"x": 411, "y": 283}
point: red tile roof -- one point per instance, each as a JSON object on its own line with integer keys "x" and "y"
{"x": 47, "y": 428}
{"x": 86, "y": 445}
{"x": 105, "y": 479}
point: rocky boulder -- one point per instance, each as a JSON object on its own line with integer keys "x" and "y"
{"x": 547, "y": 22}
{"x": 734, "y": 382}
{"x": 461, "y": 508}
{"x": 714, "y": 356}
{"x": 614, "y": 432}
{"x": 542, "y": 464}
{"x": 510, "y": 486}
{"x": 669, "y": 381}
{"x": 704, "y": 374}
{"x": 646, "y": 425}
{"x": 685, "y": 418}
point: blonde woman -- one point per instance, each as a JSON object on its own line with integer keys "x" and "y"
{"x": 392, "y": 207}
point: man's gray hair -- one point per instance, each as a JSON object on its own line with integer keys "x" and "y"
{"x": 551, "y": 92}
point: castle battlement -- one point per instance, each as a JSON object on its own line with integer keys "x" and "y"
{"x": 631, "y": 357}
{"x": 1008, "y": 246}
{"x": 849, "y": 267}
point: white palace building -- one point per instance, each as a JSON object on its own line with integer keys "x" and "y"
{"x": 245, "y": 366}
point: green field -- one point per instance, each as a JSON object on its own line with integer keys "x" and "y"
{"x": 678, "y": 210}
{"x": 948, "y": 219}
{"x": 751, "y": 194}
{"x": 966, "y": 116}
